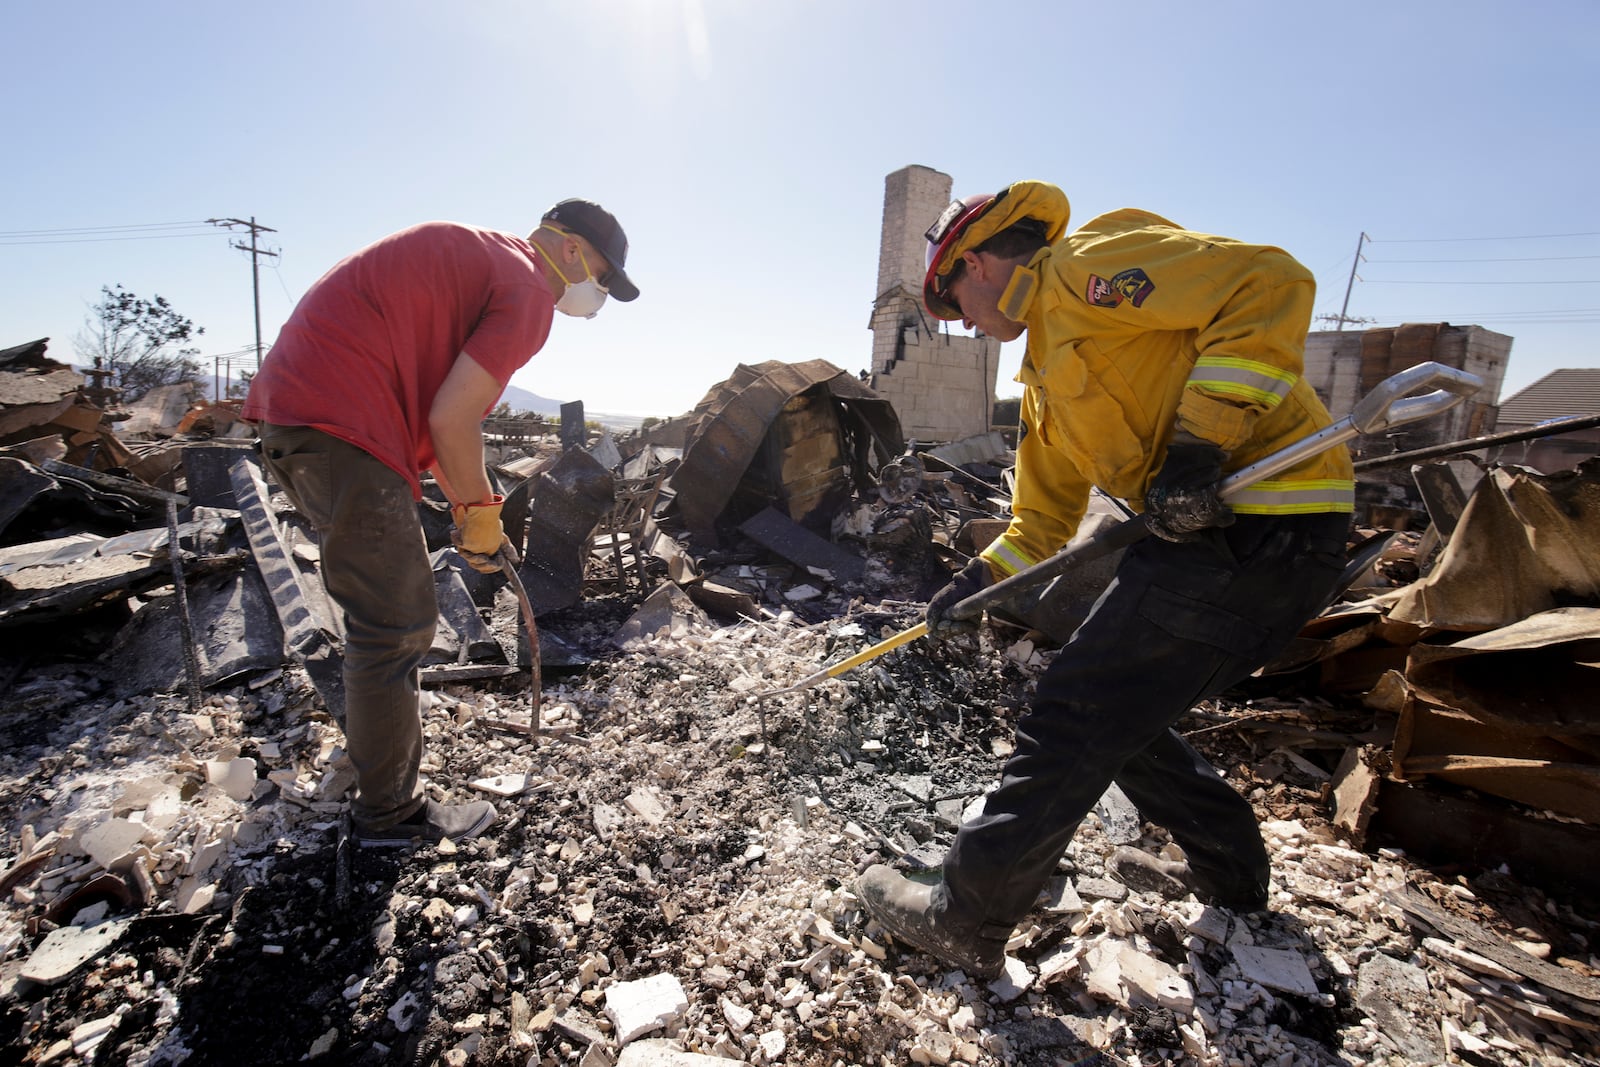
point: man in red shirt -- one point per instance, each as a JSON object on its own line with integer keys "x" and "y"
{"x": 385, "y": 370}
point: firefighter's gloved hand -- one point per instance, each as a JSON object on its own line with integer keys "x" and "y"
{"x": 478, "y": 534}
{"x": 973, "y": 578}
{"x": 1183, "y": 495}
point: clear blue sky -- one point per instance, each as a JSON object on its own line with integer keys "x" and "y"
{"x": 744, "y": 145}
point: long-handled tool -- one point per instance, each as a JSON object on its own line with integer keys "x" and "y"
{"x": 1390, "y": 404}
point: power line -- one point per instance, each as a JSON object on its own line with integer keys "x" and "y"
{"x": 1523, "y": 259}
{"x": 101, "y": 229}
{"x": 96, "y": 240}
{"x": 1532, "y": 281}
{"x": 1446, "y": 240}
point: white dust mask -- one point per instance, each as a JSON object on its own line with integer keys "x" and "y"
{"x": 581, "y": 300}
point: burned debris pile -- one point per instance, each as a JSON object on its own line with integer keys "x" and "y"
{"x": 669, "y": 879}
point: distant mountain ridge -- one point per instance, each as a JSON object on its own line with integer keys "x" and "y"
{"x": 522, "y": 400}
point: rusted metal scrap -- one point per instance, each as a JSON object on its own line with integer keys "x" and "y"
{"x": 733, "y": 426}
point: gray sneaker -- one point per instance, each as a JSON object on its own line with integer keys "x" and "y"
{"x": 430, "y": 824}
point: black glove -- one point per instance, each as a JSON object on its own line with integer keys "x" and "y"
{"x": 972, "y": 578}
{"x": 1183, "y": 495}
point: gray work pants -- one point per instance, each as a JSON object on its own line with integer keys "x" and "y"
{"x": 375, "y": 568}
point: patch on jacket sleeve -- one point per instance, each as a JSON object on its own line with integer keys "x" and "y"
{"x": 1132, "y": 285}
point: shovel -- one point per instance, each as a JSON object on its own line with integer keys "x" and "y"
{"x": 1390, "y": 404}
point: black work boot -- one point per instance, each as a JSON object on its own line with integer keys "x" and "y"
{"x": 1145, "y": 873}
{"x": 1175, "y": 880}
{"x": 913, "y": 912}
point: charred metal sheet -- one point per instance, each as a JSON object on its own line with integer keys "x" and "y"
{"x": 147, "y": 495}
{"x": 1527, "y": 543}
{"x": 1442, "y": 495}
{"x": 27, "y": 354}
{"x": 573, "y": 431}
{"x": 733, "y": 422}
{"x": 438, "y": 674}
{"x": 304, "y": 636}
{"x": 1455, "y": 827}
{"x": 236, "y": 628}
{"x": 1535, "y": 676}
{"x": 20, "y": 485}
{"x": 205, "y": 473}
{"x": 514, "y": 511}
{"x": 94, "y": 583}
{"x": 782, "y": 535}
{"x": 461, "y": 635}
{"x": 605, "y": 451}
{"x": 54, "y": 552}
{"x": 1509, "y": 712}
{"x": 205, "y": 535}
{"x": 566, "y": 503}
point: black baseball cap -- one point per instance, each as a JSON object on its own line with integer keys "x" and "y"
{"x": 600, "y": 228}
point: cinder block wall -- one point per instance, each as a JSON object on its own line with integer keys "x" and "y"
{"x": 1344, "y": 366}
{"x": 941, "y": 384}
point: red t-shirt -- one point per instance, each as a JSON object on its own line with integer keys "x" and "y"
{"x": 368, "y": 346}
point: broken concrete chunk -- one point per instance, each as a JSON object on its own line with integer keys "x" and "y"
{"x": 1150, "y": 982}
{"x": 656, "y": 1052}
{"x": 1275, "y": 968}
{"x": 66, "y": 949}
{"x": 646, "y": 805}
{"x": 503, "y": 785}
{"x": 1394, "y": 994}
{"x": 636, "y": 1008}
{"x": 109, "y": 842}
{"x": 1061, "y": 897}
{"x": 1014, "y": 980}
{"x": 235, "y": 777}
{"x": 668, "y": 612}
{"x": 1118, "y": 815}
{"x": 607, "y": 820}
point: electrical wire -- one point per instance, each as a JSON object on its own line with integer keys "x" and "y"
{"x": 1527, "y": 317}
{"x": 1447, "y": 240}
{"x": 102, "y": 229}
{"x": 1522, "y": 259}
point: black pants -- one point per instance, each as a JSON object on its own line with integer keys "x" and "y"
{"x": 1179, "y": 623}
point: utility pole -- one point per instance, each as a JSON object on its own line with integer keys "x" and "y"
{"x": 1351, "y": 283}
{"x": 256, "y": 252}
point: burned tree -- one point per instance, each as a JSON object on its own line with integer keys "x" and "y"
{"x": 142, "y": 342}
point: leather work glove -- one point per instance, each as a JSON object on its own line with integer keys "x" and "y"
{"x": 972, "y": 578}
{"x": 478, "y": 534}
{"x": 1183, "y": 495}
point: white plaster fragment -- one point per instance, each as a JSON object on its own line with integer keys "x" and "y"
{"x": 1275, "y": 968}
{"x": 635, "y": 1008}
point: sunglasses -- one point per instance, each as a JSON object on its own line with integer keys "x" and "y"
{"x": 945, "y": 293}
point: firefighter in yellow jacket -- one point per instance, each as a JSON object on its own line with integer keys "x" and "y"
{"x": 1158, "y": 360}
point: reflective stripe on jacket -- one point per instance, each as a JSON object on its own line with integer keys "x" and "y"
{"x": 1136, "y": 328}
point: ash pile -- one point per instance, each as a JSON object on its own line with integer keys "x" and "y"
{"x": 669, "y": 880}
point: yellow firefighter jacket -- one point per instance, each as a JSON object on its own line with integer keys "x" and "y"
{"x": 1136, "y": 328}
